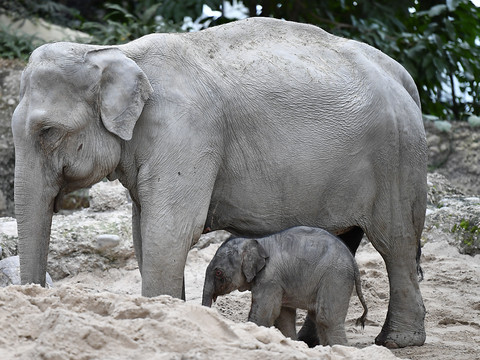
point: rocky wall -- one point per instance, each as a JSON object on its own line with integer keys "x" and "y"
{"x": 10, "y": 72}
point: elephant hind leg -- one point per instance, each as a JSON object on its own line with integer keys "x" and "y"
{"x": 286, "y": 322}
{"x": 331, "y": 329}
{"x": 308, "y": 333}
{"x": 396, "y": 237}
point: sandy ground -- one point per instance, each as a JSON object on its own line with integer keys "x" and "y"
{"x": 100, "y": 315}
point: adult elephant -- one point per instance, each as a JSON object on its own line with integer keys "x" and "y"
{"x": 253, "y": 127}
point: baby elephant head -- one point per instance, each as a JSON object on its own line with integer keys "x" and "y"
{"x": 234, "y": 266}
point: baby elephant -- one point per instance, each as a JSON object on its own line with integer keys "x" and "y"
{"x": 302, "y": 267}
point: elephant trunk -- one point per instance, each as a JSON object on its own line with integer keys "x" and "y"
{"x": 208, "y": 293}
{"x": 34, "y": 202}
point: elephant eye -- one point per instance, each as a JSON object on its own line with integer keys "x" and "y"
{"x": 45, "y": 130}
{"x": 218, "y": 273}
{"x": 48, "y": 133}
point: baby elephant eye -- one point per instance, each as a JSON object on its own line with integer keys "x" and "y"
{"x": 218, "y": 273}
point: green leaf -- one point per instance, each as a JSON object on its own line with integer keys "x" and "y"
{"x": 150, "y": 13}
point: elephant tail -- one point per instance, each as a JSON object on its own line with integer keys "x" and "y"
{"x": 419, "y": 268}
{"x": 358, "y": 287}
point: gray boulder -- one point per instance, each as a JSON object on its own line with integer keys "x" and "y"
{"x": 452, "y": 216}
{"x": 10, "y": 272}
{"x": 106, "y": 196}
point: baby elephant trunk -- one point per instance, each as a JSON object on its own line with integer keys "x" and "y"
{"x": 208, "y": 293}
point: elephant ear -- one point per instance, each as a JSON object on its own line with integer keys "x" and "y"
{"x": 253, "y": 259}
{"x": 123, "y": 90}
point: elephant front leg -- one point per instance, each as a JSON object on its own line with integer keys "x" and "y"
{"x": 137, "y": 243}
{"x": 266, "y": 305}
{"x": 164, "y": 259}
{"x": 172, "y": 219}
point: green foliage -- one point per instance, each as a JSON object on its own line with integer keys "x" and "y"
{"x": 435, "y": 40}
{"x": 16, "y": 46}
{"x": 178, "y": 10}
{"x": 52, "y": 11}
{"x": 121, "y": 25}
{"x": 467, "y": 232}
{"x": 441, "y": 47}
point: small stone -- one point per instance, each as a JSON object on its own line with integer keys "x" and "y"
{"x": 11, "y": 102}
{"x": 107, "y": 241}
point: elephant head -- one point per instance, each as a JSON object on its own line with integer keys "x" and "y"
{"x": 234, "y": 267}
{"x": 78, "y": 103}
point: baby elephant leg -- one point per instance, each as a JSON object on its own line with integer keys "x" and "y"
{"x": 266, "y": 306}
{"x": 318, "y": 330}
{"x": 331, "y": 313}
{"x": 331, "y": 333}
{"x": 286, "y": 322}
{"x": 308, "y": 333}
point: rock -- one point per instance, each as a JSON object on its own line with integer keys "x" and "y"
{"x": 107, "y": 241}
{"x": 214, "y": 237}
{"x": 75, "y": 200}
{"x": 43, "y": 30}
{"x": 8, "y": 236}
{"x": 73, "y": 241}
{"x": 10, "y": 272}
{"x": 86, "y": 240}
{"x": 451, "y": 213}
{"x": 439, "y": 187}
{"x": 107, "y": 196}
{"x": 455, "y": 154}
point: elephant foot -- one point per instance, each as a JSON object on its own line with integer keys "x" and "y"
{"x": 397, "y": 339}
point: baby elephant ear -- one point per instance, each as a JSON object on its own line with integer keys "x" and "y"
{"x": 124, "y": 89}
{"x": 253, "y": 259}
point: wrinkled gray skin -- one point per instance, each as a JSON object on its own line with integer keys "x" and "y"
{"x": 252, "y": 127}
{"x": 302, "y": 267}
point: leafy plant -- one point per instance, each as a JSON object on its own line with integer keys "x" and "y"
{"x": 467, "y": 232}
{"x": 53, "y": 11}
{"x": 121, "y": 25}
{"x": 16, "y": 45}
{"x": 435, "y": 40}
{"x": 443, "y": 39}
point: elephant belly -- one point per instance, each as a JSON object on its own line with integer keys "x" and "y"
{"x": 261, "y": 209}
{"x": 299, "y": 301}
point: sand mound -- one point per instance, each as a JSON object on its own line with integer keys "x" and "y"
{"x": 74, "y": 322}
